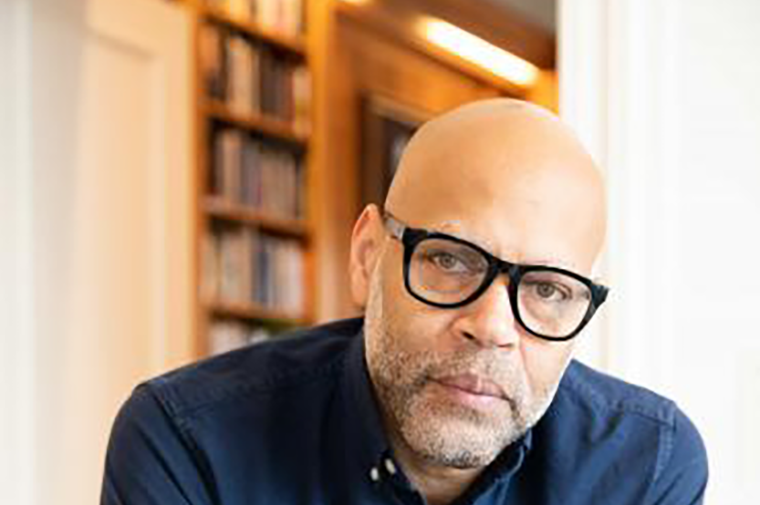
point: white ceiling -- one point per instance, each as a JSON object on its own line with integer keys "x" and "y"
{"x": 541, "y": 12}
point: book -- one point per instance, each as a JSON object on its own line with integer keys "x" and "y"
{"x": 240, "y": 85}
{"x": 212, "y": 61}
{"x": 301, "y": 86}
{"x": 227, "y": 164}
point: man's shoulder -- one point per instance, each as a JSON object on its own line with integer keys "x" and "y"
{"x": 600, "y": 427}
{"x": 303, "y": 357}
{"x": 606, "y": 395}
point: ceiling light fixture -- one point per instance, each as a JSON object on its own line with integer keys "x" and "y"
{"x": 480, "y": 52}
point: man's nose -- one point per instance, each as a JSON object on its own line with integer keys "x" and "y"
{"x": 489, "y": 320}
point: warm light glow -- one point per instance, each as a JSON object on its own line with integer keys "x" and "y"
{"x": 478, "y": 51}
{"x": 357, "y": 2}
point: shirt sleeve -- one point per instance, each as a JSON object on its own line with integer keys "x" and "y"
{"x": 681, "y": 476}
{"x": 150, "y": 461}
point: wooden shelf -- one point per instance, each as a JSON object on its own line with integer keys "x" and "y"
{"x": 271, "y": 127}
{"x": 294, "y": 45}
{"x": 285, "y": 54}
{"x": 351, "y": 53}
{"x": 221, "y": 209}
{"x": 255, "y": 312}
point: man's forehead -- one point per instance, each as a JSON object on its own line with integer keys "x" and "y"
{"x": 513, "y": 252}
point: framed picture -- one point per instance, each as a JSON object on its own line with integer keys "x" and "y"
{"x": 387, "y": 127}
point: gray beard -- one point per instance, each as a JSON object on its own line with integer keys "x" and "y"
{"x": 445, "y": 433}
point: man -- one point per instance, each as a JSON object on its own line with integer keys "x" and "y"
{"x": 458, "y": 385}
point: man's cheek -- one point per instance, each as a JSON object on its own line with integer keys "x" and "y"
{"x": 544, "y": 367}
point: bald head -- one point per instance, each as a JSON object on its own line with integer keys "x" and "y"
{"x": 507, "y": 170}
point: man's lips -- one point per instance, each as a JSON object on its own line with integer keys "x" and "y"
{"x": 472, "y": 384}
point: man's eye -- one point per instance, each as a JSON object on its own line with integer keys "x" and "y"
{"x": 549, "y": 291}
{"x": 447, "y": 262}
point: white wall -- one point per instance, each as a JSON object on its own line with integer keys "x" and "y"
{"x": 666, "y": 93}
{"x": 96, "y": 216}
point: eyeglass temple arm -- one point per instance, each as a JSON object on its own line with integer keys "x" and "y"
{"x": 394, "y": 227}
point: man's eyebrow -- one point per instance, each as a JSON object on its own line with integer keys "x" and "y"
{"x": 487, "y": 245}
{"x": 463, "y": 234}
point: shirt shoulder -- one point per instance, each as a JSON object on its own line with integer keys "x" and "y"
{"x": 303, "y": 357}
{"x": 245, "y": 427}
{"x": 600, "y": 427}
{"x": 607, "y": 395}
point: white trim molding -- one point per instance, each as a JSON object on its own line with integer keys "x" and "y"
{"x": 17, "y": 338}
{"x": 616, "y": 89}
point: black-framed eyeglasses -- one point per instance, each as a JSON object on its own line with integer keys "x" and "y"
{"x": 448, "y": 272}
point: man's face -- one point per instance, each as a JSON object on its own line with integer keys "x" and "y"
{"x": 458, "y": 385}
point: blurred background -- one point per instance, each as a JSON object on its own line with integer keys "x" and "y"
{"x": 180, "y": 178}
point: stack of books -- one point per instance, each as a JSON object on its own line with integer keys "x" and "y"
{"x": 252, "y": 79}
{"x": 259, "y": 175}
{"x": 246, "y": 266}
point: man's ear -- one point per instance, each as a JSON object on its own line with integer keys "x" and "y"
{"x": 366, "y": 245}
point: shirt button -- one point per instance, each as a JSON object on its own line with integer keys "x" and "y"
{"x": 390, "y": 466}
{"x": 374, "y": 474}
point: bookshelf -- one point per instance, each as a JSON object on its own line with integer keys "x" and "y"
{"x": 279, "y": 88}
{"x": 253, "y": 113}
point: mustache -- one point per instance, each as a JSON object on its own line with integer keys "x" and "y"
{"x": 490, "y": 365}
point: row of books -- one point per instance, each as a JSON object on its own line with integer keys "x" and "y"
{"x": 244, "y": 265}
{"x": 253, "y": 79}
{"x": 285, "y": 17}
{"x": 258, "y": 175}
{"x": 226, "y": 335}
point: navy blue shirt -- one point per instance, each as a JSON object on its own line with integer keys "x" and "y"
{"x": 294, "y": 421}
